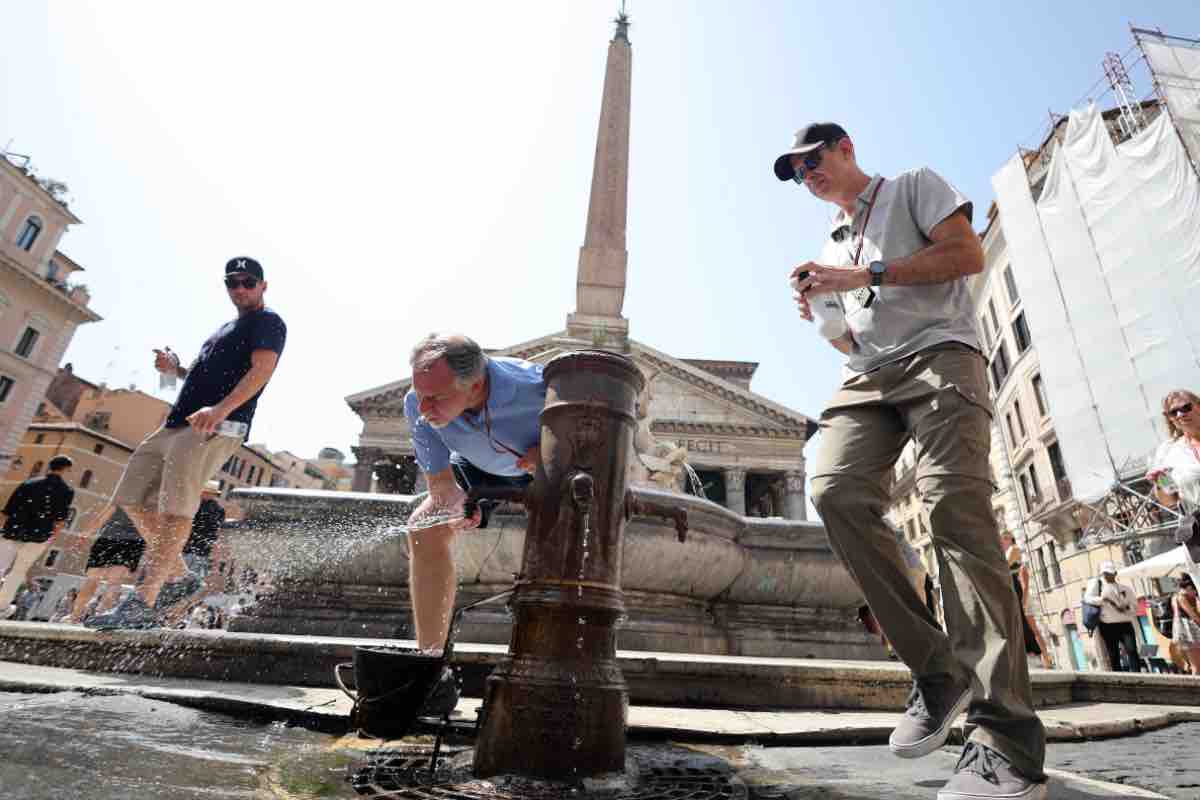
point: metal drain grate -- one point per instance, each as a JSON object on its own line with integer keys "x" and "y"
{"x": 663, "y": 774}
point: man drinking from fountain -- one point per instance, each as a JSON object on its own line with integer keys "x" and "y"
{"x": 474, "y": 423}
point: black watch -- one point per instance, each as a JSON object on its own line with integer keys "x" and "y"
{"x": 877, "y": 268}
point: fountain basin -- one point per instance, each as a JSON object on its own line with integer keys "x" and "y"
{"x": 738, "y": 586}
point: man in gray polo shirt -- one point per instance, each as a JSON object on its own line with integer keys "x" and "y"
{"x": 897, "y": 257}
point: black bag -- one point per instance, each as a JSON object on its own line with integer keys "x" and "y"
{"x": 1091, "y": 613}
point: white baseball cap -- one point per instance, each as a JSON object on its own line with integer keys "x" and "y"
{"x": 1108, "y": 568}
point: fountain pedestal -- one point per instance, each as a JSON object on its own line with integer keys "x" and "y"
{"x": 555, "y": 707}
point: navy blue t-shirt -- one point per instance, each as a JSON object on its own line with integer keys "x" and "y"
{"x": 223, "y": 361}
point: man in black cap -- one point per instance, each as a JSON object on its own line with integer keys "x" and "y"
{"x": 37, "y": 509}
{"x": 160, "y": 490}
{"x": 895, "y": 268}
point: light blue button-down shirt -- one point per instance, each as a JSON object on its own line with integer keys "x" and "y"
{"x": 516, "y": 395}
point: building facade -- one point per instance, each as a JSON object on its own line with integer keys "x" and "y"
{"x": 40, "y": 304}
{"x": 1033, "y": 497}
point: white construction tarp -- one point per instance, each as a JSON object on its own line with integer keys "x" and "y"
{"x": 1175, "y": 64}
{"x": 1107, "y": 262}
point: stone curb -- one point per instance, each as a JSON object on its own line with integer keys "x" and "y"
{"x": 327, "y": 710}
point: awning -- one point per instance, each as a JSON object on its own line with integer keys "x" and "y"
{"x": 1158, "y": 566}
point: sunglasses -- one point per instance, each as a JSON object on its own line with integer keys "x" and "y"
{"x": 811, "y": 161}
{"x": 1179, "y": 411}
{"x": 245, "y": 283}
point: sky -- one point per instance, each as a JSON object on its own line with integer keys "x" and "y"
{"x": 401, "y": 167}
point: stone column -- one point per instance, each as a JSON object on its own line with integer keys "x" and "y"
{"x": 735, "y": 490}
{"x": 778, "y": 497}
{"x": 364, "y": 470}
{"x": 794, "y": 506}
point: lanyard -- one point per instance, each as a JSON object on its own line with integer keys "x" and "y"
{"x": 866, "y": 295}
{"x": 862, "y": 233}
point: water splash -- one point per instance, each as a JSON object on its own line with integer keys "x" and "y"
{"x": 694, "y": 481}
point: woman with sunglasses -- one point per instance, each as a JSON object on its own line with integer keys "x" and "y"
{"x": 1186, "y": 632}
{"x": 1176, "y": 465}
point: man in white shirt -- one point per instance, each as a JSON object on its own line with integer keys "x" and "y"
{"x": 1118, "y": 612}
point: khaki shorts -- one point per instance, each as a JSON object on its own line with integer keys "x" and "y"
{"x": 168, "y": 470}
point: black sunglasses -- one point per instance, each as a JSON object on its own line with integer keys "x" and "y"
{"x": 811, "y": 161}
{"x": 245, "y": 283}
{"x": 1179, "y": 411}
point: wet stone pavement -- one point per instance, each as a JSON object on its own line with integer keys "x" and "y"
{"x": 110, "y": 747}
{"x": 1166, "y": 761}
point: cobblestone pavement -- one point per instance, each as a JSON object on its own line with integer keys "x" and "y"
{"x": 1166, "y": 761}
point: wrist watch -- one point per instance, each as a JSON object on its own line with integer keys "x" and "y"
{"x": 877, "y": 268}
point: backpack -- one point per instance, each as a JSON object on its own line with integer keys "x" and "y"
{"x": 1091, "y": 613}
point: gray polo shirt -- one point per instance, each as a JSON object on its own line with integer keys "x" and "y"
{"x": 902, "y": 320}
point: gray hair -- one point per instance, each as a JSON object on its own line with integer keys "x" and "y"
{"x": 463, "y": 355}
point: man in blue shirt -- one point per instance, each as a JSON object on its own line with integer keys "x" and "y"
{"x": 160, "y": 489}
{"x": 474, "y": 422}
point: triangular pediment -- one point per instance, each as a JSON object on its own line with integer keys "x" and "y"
{"x": 684, "y": 397}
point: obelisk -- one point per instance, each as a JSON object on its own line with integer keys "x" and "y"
{"x": 603, "y": 259}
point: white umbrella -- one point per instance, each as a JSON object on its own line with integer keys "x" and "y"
{"x": 1158, "y": 566}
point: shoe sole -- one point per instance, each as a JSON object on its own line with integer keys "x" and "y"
{"x": 923, "y": 747}
{"x": 1037, "y": 791}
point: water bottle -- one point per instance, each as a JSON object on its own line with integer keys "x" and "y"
{"x": 826, "y": 310}
{"x": 168, "y": 379}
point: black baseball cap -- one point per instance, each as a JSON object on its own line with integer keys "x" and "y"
{"x": 808, "y": 138}
{"x": 244, "y": 264}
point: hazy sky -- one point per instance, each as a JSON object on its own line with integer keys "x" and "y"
{"x": 404, "y": 167}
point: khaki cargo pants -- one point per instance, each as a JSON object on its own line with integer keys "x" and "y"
{"x": 939, "y": 397}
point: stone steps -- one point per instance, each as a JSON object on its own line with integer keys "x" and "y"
{"x": 667, "y": 679}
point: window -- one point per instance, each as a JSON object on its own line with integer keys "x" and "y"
{"x": 6, "y": 386}
{"x": 1057, "y": 468}
{"x": 1012, "y": 431}
{"x": 986, "y": 331}
{"x": 98, "y": 449}
{"x": 999, "y": 366}
{"x": 86, "y": 480}
{"x": 41, "y": 410}
{"x": 260, "y": 477}
{"x": 1021, "y": 332}
{"x": 1020, "y": 417}
{"x": 995, "y": 319}
{"x": 1040, "y": 567}
{"x": 41, "y": 437}
{"x": 1025, "y": 493}
{"x": 99, "y": 420}
{"x": 912, "y": 530}
{"x": 250, "y": 475}
{"x": 1010, "y": 285}
{"x": 29, "y": 233}
{"x": 1052, "y": 559}
{"x": 28, "y": 342}
{"x": 1039, "y": 392}
{"x": 51, "y": 557}
{"x": 1033, "y": 481}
